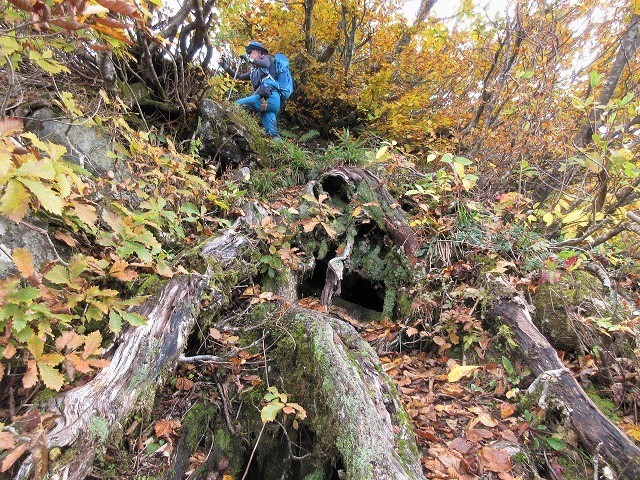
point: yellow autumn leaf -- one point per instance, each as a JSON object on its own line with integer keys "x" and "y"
{"x": 461, "y": 371}
{"x": 573, "y": 216}
{"x": 49, "y": 199}
{"x": 548, "y": 218}
{"x": 15, "y": 201}
{"x": 92, "y": 344}
{"x": 51, "y": 377}
{"x": 633, "y": 431}
{"x": 24, "y": 261}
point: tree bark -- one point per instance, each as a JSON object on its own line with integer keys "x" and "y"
{"x": 595, "y": 431}
{"x": 408, "y": 34}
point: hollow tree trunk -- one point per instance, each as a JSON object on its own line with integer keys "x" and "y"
{"x": 595, "y": 431}
{"x": 352, "y": 405}
{"x": 342, "y": 183}
{"x": 92, "y": 414}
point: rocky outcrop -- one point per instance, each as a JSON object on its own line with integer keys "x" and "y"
{"x": 86, "y": 146}
{"x": 227, "y": 137}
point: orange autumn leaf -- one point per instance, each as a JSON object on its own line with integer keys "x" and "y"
{"x": 24, "y": 261}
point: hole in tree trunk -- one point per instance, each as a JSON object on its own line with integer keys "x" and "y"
{"x": 314, "y": 286}
{"x": 336, "y": 188}
{"x": 355, "y": 289}
{"x": 362, "y": 292}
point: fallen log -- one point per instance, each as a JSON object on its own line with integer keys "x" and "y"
{"x": 595, "y": 430}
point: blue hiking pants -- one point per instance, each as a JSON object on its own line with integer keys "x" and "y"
{"x": 268, "y": 116}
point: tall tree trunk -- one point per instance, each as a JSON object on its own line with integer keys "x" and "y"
{"x": 410, "y": 31}
{"x": 628, "y": 46}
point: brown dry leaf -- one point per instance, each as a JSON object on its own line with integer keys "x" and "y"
{"x": 30, "y": 378}
{"x": 120, "y": 271}
{"x": 250, "y": 291}
{"x": 506, "y": 410}
{"x": 184, "y": 383}
{"x": 215, "y": 334}
{"x": 12, "y": 456}
{"x": 309, "y": 225}
{"x": 509, "y": 436}
{"x": 494, "y": 460}
{"x": 462, "y": 445}
{"x": 449, "y": 462}
{"x": 478, "y": 434}
{"x": 92, "y": 344}
{"x": 9, "y": 351}
{"x": 66, "y": 238}
{"x": 411, "y": 331}
{"x": 427, "y": 435}
{"x": 69, "y": 339}
{"x": 486, "y": 420}
{"x": 110, "y": 22}
{"x": 124, "y": 7}
{"x": 86, "y": 213}
{"x": 167, "y": 428}
{"x": 7, "y": 440}
{"x": 454, "y": 390}
{"x": 73, "y": 362}
{"x": 11, "y": 125}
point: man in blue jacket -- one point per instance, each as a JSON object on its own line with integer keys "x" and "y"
{"x": 265, "y": 98}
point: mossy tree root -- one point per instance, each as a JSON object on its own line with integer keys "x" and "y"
{"x": 353, "y": 406}
{"x": 93, "y": 414}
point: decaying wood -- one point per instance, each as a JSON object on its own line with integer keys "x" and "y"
{"x": 90, "y": 415}
{"x": 337, "y": 182}
{"x": 349, "y": 396}
{"x": 557, "y": 382}
{"x": 335, "y": 271}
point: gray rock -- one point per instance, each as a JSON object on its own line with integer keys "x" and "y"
{"x": 85, "y": 145}
{"x": 14, "y": 235}
{"x": 226, "y": 137}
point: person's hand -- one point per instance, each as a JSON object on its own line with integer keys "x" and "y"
{"x": 245, "y": 57}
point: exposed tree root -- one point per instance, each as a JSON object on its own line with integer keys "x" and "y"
{"x": 556, "y": 382}
{"x": 352, "y": 405}
{"x": 92, "y": 414}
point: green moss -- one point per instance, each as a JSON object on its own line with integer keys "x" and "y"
{"x": 520, "y": 458}
{"x": 316, "y": 475}
{"x": 404, "y": 304}
{"x": 323, "y": 249}
{"x": 553, "y": 300}
{"x": 573, "y": 466}
{"x": 606, "y": 406}
{"x": 99, "y": 429}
